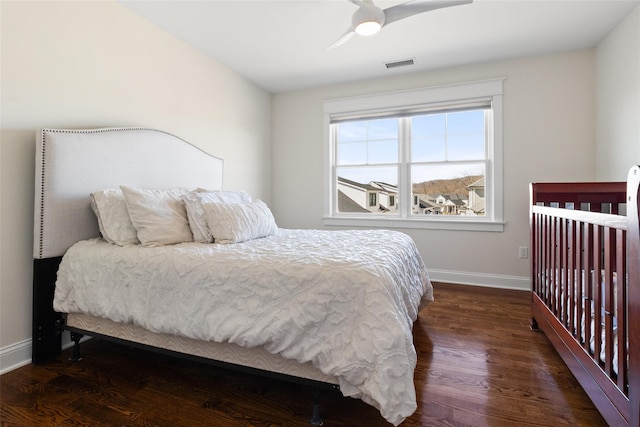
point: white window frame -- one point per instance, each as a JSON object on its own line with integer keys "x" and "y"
{"x": 371, "y": 105}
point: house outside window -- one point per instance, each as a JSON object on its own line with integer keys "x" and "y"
{"x": 439, "y": 149}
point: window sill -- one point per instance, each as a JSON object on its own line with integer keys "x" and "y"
{"x": 430, "y": 224}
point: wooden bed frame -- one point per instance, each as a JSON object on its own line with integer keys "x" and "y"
{"x": 578, "y": 229}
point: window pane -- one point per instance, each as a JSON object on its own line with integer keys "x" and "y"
{"x": 352, "y": 131}
{"x": 430, "y": 125}
{"x": 465, "y": 147}
{"x": 368, "y": 142}
{"x": 352, "y": 153}
{"x": 428, "y": 149}
{"x": 383, "y": 151}
{"x": 367, "y": 189}
{"x": 383, "y": 129}
{"x": 457, "y": 189}
{"x": 466, "y": 135}
{"x": 428, "y": 138}
{"x": 466, "y": 122}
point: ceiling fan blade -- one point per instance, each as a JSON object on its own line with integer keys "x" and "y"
{"x": 342, "y": 40}
{"x": 414, "y": 7}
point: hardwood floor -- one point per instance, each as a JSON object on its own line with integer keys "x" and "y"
{"x": 479, "y": 364}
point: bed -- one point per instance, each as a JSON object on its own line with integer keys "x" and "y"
{"x": 237, "y": 291}
{"x": 585, "y": 277}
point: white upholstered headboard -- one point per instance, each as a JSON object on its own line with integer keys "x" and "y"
{"x": 70, "y": 164}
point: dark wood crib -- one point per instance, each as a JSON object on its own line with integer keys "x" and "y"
{"x": 585, "y": 278}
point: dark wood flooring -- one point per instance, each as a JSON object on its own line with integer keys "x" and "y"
{"x": 479, "y": 364}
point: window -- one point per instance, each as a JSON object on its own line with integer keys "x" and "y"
{"x": 373, "y": 200}
{"x": 430, "y": 158}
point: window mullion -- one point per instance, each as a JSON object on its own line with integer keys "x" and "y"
{"x": 333, "y": 154}
{"x": 404, "y": 179}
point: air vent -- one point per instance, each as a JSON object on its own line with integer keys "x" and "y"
{"x": 402, "y": 63}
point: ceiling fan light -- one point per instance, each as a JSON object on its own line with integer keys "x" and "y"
{"x": 368, "y": 28}
{"x": 367, "y": 20}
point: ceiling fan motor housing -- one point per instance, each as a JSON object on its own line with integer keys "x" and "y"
{"x": 367, "y": 13}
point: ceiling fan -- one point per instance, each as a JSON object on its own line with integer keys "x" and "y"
{"x": 369, "y": 18}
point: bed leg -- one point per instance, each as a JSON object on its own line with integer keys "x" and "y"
{"x": 533, "y": 323}
{"x": 47, "y": 337}
{"x": 76, "y": 347}
{"x": 316, "y": 419}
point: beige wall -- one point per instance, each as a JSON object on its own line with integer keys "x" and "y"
{"x": 549, "y": 135}
{"x": 618, "y": 94}
{"x": 96, "y": 64}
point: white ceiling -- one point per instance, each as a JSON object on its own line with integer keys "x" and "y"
{"x": 280, "y": 45}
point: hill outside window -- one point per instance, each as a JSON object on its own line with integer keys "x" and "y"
{"x": 428, "y": 158}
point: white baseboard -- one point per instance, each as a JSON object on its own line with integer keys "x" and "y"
{"x": 481, "y": 279}
{"x": 15, "y": 356}
{"x": 19, "y": 354}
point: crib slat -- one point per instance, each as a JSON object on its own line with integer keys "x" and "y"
{"x": 607, "y": 279}
{"x": 547, "y": 259}
{"x": 587, "y": 285}
{"x": 537, "y": 264}
{"x": 563, "y": 268}
{"x": 579, "y": 267}
{"x": 621, "y": 310}
{"x": 546, "y": 249}
{"x": 597, "y": 291}
{"x": 571, "y": 267}
{"x": 554, "y": 266}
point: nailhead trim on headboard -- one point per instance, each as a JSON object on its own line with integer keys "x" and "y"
{"x": 42, "y": 163}
{"x": 143, "y": 170}
{"x": 43, "y": 166}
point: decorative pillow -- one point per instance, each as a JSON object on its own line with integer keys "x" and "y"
{"x": 193, "y": 203}
{"x": 235, "y": 223}
{"x": 110, "y": 208}
{"x": 159, "y": 216}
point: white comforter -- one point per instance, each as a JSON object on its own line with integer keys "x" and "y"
{"x": 343, "y": 300}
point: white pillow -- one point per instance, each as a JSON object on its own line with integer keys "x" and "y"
{"x": 235, "y": 223}
{"x": 195, "y": 213}
{"x": 110, "y": 208}
{"x": 159, "y": 216}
